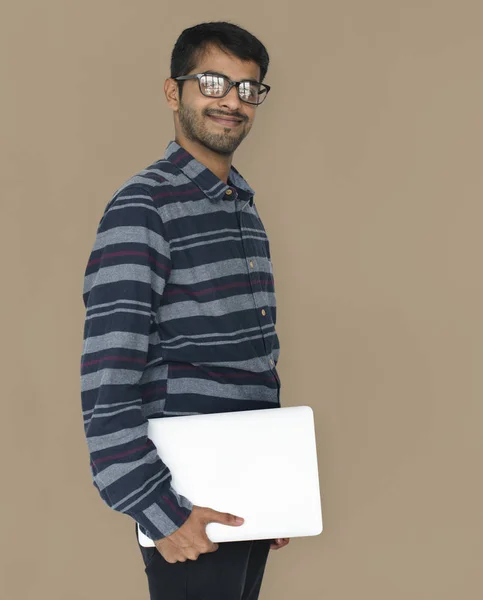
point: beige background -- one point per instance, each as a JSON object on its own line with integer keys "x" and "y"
{"x": 366, "y": 161}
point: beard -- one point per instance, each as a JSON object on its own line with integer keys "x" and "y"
{"x": 196, "y": 128}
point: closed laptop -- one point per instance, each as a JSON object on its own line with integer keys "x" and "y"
{"x": 257, "y": 464}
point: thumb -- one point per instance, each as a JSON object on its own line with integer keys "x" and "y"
{"x": 225, "y": 518}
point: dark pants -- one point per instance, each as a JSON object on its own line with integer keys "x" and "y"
{"x": 233, "y": 572}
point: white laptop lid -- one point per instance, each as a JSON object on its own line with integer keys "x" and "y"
{"x": 257, "y": 464}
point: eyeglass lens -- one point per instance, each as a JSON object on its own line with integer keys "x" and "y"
{"x": 216, "y": 85}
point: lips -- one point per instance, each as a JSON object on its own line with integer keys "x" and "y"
{"x": 225, "y": 121}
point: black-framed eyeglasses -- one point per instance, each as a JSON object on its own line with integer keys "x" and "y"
{"x": 216, "y": 85}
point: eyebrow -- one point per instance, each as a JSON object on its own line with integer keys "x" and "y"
{"x": 223, "y": 74}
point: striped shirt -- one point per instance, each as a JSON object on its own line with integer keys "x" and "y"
{"x": 180, "y": 320}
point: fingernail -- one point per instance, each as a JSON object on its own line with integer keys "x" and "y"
{"x": 239, "y": 520}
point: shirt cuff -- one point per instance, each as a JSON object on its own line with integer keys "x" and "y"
{"x": 164, "y": 517}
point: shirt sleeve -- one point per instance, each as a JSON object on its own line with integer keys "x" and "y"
{"x": 123, "y": 285}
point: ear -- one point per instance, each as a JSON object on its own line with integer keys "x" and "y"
{"x": 171, "y": 92}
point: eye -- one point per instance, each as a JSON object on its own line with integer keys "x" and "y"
{"x": 248, "y": 89}
{"x": 213, "y": 84}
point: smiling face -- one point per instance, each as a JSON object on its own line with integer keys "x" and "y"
{"x": 197, "y": 116}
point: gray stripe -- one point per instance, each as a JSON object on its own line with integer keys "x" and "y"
{"x": 256, "y": 235}
{"x": 125, "y": 272}
{"x": 182, "y": 501}
{"x": 203, "y": 387}
{"x": 160, "y": 520}
{"x": 115, "y": 471}
{"x": 116, "y": 339}
{"x": 223, "y": 342}
{"x": 215, "y": 308}
{"x": 131, "y": 196}
{"x": 217, "y": 240}
{"x": 193, "y": 208}
{"x": 120, "y": 301}
{"x": 139, "y": 179}
{"x": 166, "y": 475}
{"x": 258, "y": 364}
{"x": 256, "y": 230}
{"x": 155, "y": 340}
{"x": 203, "y": 206}
{"x": 117, "y": 310}
{"x": 123, "y": 436}
{"x": 211, "y": 271}
{"x": 218, "y": 185}
{"x": 109, "y": 376}
{"x": 193, "y": 168}
{"x": 193, "y": 236}
{"x": 123, "y": 233}
{"x": 172, "y": 179}
{"x": 153, "y": 408}
{"x": 99, "y": 405}
{"x": 211, "y": 336}
{"x": 154, "y": 373}
{"x": 132, "y": 204}
{"x": 109, "y": 414}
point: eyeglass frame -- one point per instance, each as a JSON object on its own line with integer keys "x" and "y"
{"x": 231, "y": 83}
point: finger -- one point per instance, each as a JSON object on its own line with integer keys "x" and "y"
{"x": 279, "y": 543}
{"x": 212, "y": 548}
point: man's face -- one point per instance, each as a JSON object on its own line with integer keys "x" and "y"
{"x": 194, "y": 109}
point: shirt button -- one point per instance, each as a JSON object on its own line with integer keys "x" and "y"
{"x": 251, "y": 264}
{"x": 228, "y": 192}
{"x": 263, "y": 312}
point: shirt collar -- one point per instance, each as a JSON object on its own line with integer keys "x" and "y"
{"x": 209, "y": 183}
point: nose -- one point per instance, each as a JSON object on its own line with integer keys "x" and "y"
{"x": 232, "y": 99}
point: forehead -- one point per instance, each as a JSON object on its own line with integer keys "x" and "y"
{"x": 215, "y": 59}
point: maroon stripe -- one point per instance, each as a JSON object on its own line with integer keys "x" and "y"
{"x": 216, "y": 288}
{"x": 156, "y": 389}
{"x": 122, "y": 358}
{"x": 121, "y": 454}
{"x": 175, "y": 508}
{"x": 179, "y": 158}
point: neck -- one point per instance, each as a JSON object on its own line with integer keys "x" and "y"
{"x": 218, "y": 164}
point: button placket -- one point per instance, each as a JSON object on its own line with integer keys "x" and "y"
{"x": 255, "y": 287}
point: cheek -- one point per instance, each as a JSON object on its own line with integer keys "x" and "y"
{"x": 198, "y": 108}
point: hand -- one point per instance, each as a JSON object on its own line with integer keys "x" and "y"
{"x": 279, "y": 543}
{"x": 190, "y": 540}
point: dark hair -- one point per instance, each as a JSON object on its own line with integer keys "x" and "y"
{"x": 194, "y": 42}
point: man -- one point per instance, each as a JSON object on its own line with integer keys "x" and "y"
{"x": 181, "y": 313}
